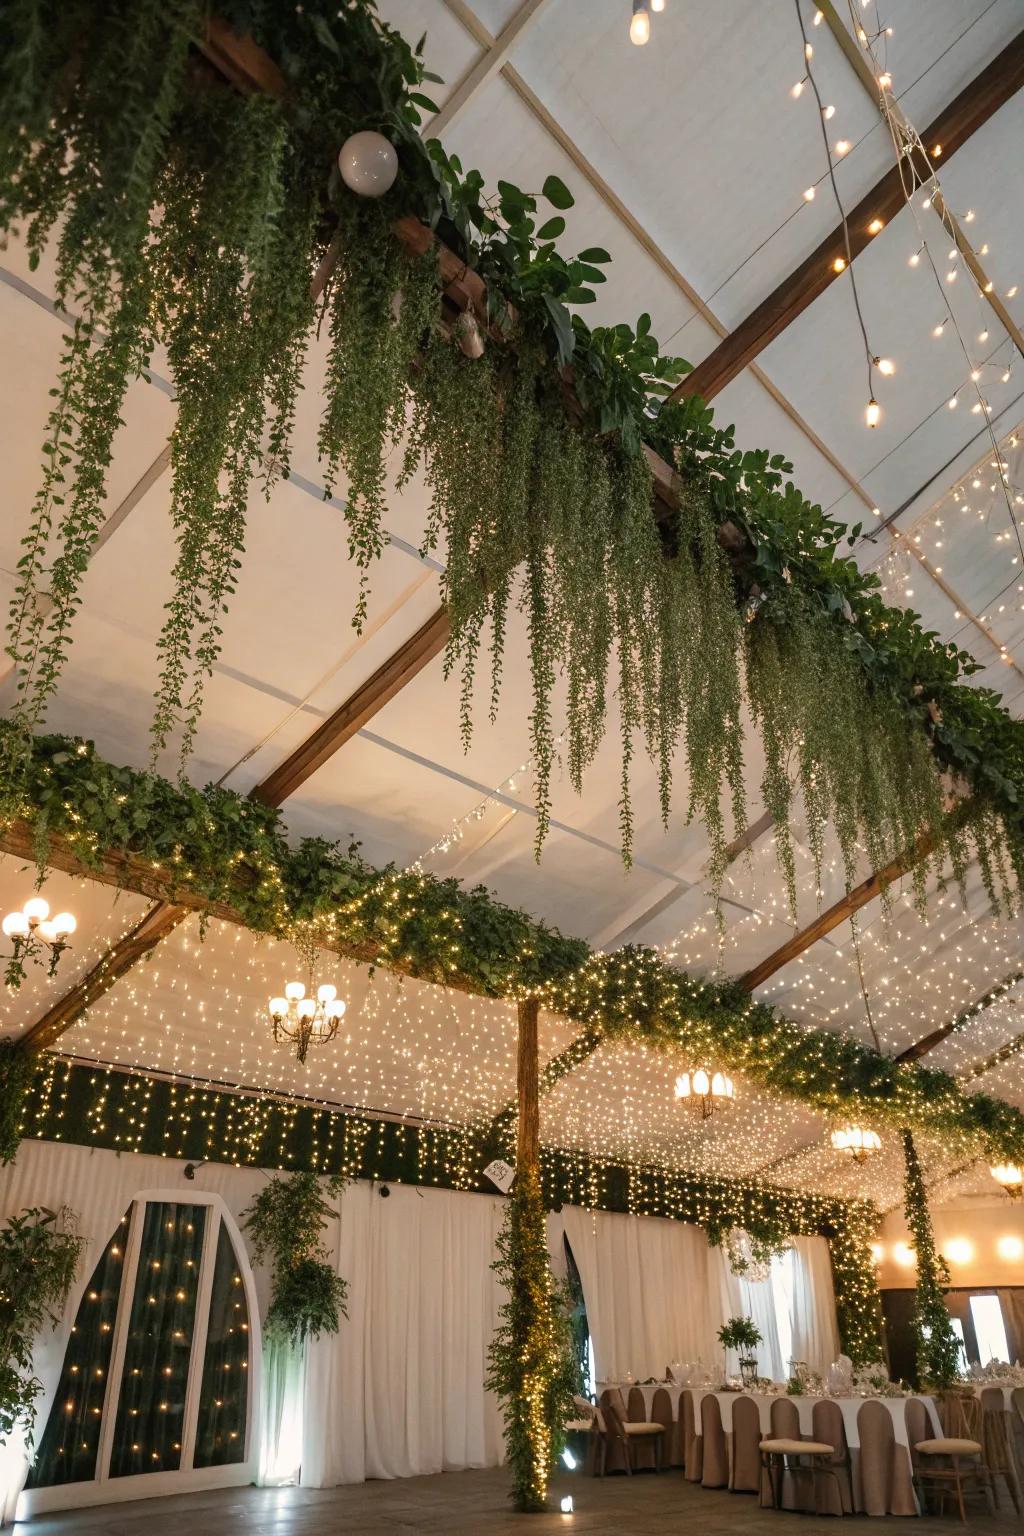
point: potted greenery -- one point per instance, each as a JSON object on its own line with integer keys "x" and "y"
{"x": 742, "y": 1335}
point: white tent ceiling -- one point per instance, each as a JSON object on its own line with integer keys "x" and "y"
{"x": 688, "y": 160}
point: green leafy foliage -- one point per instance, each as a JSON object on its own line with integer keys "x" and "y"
{"x": 285, "y": 1222}
{"x": 938, "y": 1349}
{"x": 187, "y": 215}
{"x": 214, "y": 846}
{"x": 532, "y": 1364}
{"x": 39, "y": 1253}
{"x": 739, "y": 1333}
{"x": 17, "y": 1073}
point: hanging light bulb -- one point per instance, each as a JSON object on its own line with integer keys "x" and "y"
{"x": 657, "y": 6}
{"x": 1009, "y": 1177}
{"x": 858, "y": 1142}
{"x": 33, "y": 930}
{"x": 706, "y": 1091}
{"x": 797, "y": 90}
{"x": 303, "y": 1020}
{"x": 809, "y": 193}
{"x": 885, "y": 366}
{"x": 640, "y": 25}
{"x": 873, "y": 412}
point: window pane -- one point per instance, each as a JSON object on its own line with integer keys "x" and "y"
{"x": 67, "y": 1451}
{"x": 987, "y": 1316}
{"x": 151, "y": 1410}
{"x": 223, "y": 1402}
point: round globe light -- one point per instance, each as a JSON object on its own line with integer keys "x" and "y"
{"x": 47, "y": 930}
{"x": 294, "y": 990}
{"x": 327, "y": 993}
{"x": 701, "y": 1081}
{"x": 683, "y": 1086}
{"x": 368, "y": 164}
{"x": 336, "y": 1010}
{"x": 36, "y": 909}
{"x": 278, "y": 1007}
{"x": 15, "y": 925}
{"x": 65, "y": 923}
{"x": 306, "y": 1008}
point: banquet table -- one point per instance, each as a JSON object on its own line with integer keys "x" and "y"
{"x": 880, "y": 1482}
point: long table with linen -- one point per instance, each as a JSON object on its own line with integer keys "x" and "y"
{"x": 716, "y": 1439}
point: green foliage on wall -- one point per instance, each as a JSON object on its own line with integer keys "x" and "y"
{"x": 285, "y": 1222}
{"x": 39, "y": 1253}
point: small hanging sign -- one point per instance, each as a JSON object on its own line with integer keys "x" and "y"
{"x": 501, "y": 1174}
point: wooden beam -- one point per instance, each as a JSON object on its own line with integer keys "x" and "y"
{"x": 953, "y": 127}
{"x": 1005, "y": 1052}
{"x": 164, "y": 885}
{"x": 486, "y": 67}
{"x": 528, "y": 1087}
{"x": 929, "y": 1042}
{"x": 389, "y": 679}
{"x": 838, "y": 913}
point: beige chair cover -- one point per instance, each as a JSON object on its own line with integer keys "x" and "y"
{"x": 715, "y": 1471}
{"x": 615, "y": 1457}
{"x": 785, "y": 1420}
{"x": 693, "y": 1444}
{"x": 873, "y": 1472}
{"x": 997, "y": 1441}
{"x": 661, "y": 1413}
{"x": 644, "y": 1452}
{"x": 746, "y": 1441}
{"x": 828, "y": 1428}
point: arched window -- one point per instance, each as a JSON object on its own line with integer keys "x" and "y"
{"x": 158, "y": 1385}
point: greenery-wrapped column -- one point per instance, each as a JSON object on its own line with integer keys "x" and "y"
{"x": 938, "y": 1350}
{"x": 531, "y": 1360}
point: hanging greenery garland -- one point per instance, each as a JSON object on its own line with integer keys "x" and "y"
{"x": 189, "y": 215}
{"x": 217, "y": 850}
{"x": 285, "y": 1222}
{"x": 39, "y": 1253}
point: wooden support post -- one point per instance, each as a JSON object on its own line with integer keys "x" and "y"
{"x": 528, "y": 1086}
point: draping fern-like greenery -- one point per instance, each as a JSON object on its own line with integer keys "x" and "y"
{"x": 189, "y": 216}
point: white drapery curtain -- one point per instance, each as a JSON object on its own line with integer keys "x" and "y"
{"x": 815, "y": 1330}
{"x": 738, "y": 1297}
{"x": 400, "y": 1390}
{"x": 645, "y": 1283}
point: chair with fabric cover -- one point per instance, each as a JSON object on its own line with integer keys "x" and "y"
{"x": 827, "y": 1426}
{"x": 693, "y": 1444}
{"x": 631, "y": 1434}
{"x": 997, "y": 1445}
{"x": 785, "y": 1420}
{"x": 1017, "y": 1398}
{"x": 746, "y": 1440}
{"x": 636, "y": 1413}
{"x": 715, "y": 1468}
{"x": 661, "y": 1413}
{"x": 801, "y": 1460}
{"x": 612, "y": 1456}
{"x": 877, "y": 1455}
{"x": 947, "y": 1464}
{"x": 587, "y": 1413}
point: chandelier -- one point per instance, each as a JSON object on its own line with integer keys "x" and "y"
{"x": 32, "y": 931}
{"x": 859, "y": 1143}
{"x": 705, "y": 1091}
{"x": 1009, "y": 1177}
{"x": 303, "y": 1020}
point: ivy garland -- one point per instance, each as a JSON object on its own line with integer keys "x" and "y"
{"x": 214, "y": 846}
{"x": 938, "y": 1349}
{"x": 193, "y": 217}
{"x": 285, "y": 1221}
{"x": 39, "y": 1254}
{"x": 532, "y": 1363}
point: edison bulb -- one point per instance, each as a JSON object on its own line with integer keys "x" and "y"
{"x": 640, "y": 24}
{"x": 873, "y": 413}
{"x": 36, "y": 909}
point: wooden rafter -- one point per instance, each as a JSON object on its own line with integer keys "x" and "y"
{"x": 953, "y": 127}
{"x": 929, "y": 1042}
{"x": 839, "y": 912}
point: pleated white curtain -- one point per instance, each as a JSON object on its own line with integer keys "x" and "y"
{"x": 400, "y": 1390}
{"x": 815, "y": 1330}
{"x": 738, "y": 1297}
{"x": 645, "y": 1283}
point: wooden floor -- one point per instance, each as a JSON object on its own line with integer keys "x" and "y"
{"x": 476, "y": 1503}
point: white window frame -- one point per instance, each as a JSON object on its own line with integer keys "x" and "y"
{"x": 104, "y": 1489}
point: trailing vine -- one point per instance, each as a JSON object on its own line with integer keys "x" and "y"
{"x": 938, "y": 1349}
{"x": 284, "y": 1222}
{"x": 187, "y": 215}
{"x": 17, "y": 1074}
{"x": 39, "y": 1253}
{"x": 216, "y": 847}
{"x": 532, "y": 1359}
